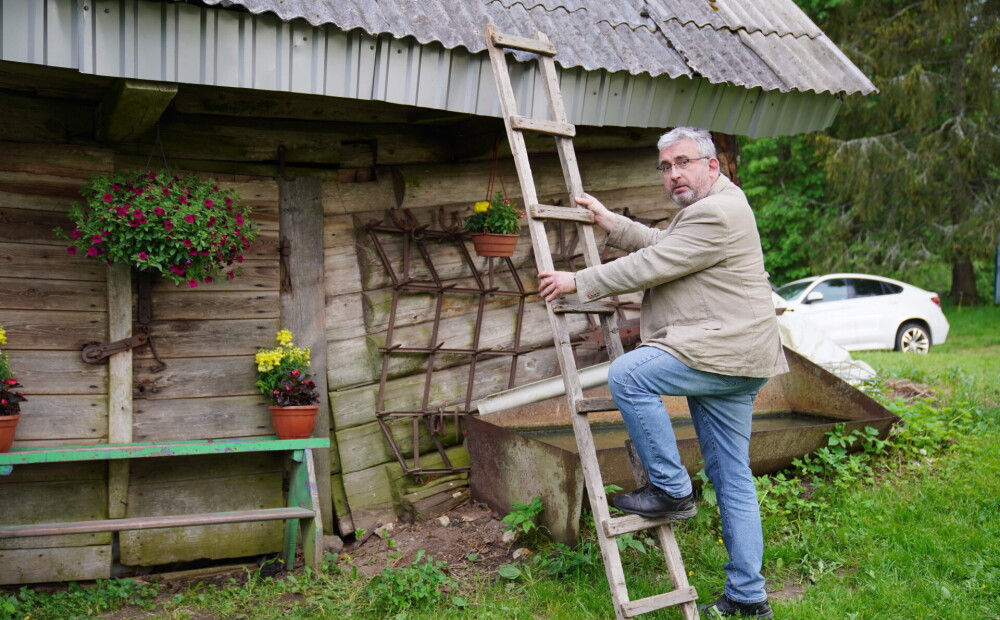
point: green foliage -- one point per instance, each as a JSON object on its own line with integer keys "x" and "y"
{"x": 185, "y": 228}
{"x": 521, "y": 518}
{"x": 913, "y": 168}
{"x": 77, "y": 601}
{"x": 499, "y": 215}
{"x": 421, "y": 585}
{"x": 787, "y": 188}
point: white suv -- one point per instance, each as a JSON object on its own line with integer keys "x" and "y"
{"x": 860, "y": 311}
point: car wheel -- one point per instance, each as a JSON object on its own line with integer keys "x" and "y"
{"x": 913, "y": 338}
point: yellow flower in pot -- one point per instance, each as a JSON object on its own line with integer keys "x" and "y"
{"x": 10, "y": 401}
{"x": 282, "y": 378}
{"x": 496, "y": 226}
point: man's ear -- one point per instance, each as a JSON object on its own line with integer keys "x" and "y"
{"x": 714, "y": 166}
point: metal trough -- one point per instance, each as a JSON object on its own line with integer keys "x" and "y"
{"x": 528, "y": 451}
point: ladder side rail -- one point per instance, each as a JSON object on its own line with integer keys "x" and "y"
{"x": 571, "y": 172}
{"x": 564, "y": 353}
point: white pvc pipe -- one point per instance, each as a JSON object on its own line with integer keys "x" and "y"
{"x": 591, "y": 376}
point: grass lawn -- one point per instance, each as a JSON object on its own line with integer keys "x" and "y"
{"x": 912, "y": 534}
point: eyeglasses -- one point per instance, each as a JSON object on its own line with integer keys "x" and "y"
{"x": 681, "y": 164}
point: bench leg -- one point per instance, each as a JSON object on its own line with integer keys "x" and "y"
{"x": 302, "y": 493}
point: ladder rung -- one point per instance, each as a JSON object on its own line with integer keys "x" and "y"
{"x": 590, "y": 405}
{"x": 569, "y": 214}
{"x": 520, "y": 43}
{"x": 686, "y": 594}
{"x": 616, "y": 526}
{"x": 523, "y": 123}
{"x": 566, "y": 306}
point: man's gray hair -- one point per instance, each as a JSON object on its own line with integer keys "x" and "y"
{"x": 703, "y": 139}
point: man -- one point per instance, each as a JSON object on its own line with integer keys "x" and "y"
{"x": 709, "y": 333}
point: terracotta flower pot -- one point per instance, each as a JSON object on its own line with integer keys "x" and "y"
{"x": 294, "y": 421}
{"x": 493, "y": 244}
{"x": 7, "y": 425}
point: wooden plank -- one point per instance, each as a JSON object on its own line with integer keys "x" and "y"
{"x": 630, "y": 523}
{"x": 659, "y": 601}
{"x": 222, "y": 465}
{"x": 194, "y": 377}
{"x": 72, "y": 164}
{"x": 521, "y": 43}
{"x": 152, "y": 523}
{"x": 120, "y": 415}
{"x": 60, "y": 372}
{"x": 32, "y": 226}
{"x": 303, "y": 308}
{"x": 340, "y": 266}
{"x": 32, "y": 497}
{"x": 376, "y": 196}
{"x": 208, "y": 337}
{"x": 201, "y": 418}
{"x": 46, "y": 417}
{"x": 551, "y": 128}
{"x": 565, "y": 305}
{"x": 32, "y": 119}
{"x": 367, "y": 446}
{"x": 257, "y": 275}
{"x": 23, "y": 566}
{"x": 39, "y": 294}
{"x": 47, "y": 262}
{"x": 132, "y": 108}
{"x": 589, "y": 405}
{"x": 341, "y": 509}
{"x": 566, "y": 214}
{"x": 208, "y": 301}
{"x": 54, "y": 329}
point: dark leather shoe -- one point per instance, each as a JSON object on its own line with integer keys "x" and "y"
{"x": 655, "y": 503}
{"x": 725, "y": 607}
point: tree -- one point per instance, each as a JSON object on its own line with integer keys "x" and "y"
{"x": 915, "y": 168}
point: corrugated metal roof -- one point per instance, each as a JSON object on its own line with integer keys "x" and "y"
{"x": 769, "y": 44}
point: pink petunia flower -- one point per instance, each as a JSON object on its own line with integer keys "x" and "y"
{"x": 92, "y": 252}
{"x": 208, "y": 203}
{"x": 231, "y": 273}
{"x": 189, "y": 219}
{"x": 208, "y": 279}
{"x": 168, "y": 224}
{"x": 76, "y": 234}
{"x": 158, "y": 210}
{"x": 108, "y": 197}
{"x": 187, "y": 243}
{"x": 97, "y": 238}
{"x": 229, "y": 201}
{"x": 193, "y": 253}
{"x": 192, "y": 283}
{"x": 71, "y": 249}
{"x": 142, "y": 256}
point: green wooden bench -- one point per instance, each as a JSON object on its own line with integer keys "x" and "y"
{"x": 301, "y": 512}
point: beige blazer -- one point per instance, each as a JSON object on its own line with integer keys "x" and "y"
{"x": 707, "y": 300}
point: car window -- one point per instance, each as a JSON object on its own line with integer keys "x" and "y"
{"x": 866, "y": 288}
{"x": 833, "y": 290}
{"x": 789, "y": 292}
{"x": 892, "y": 289}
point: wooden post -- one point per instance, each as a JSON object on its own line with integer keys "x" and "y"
{"x": 303, "y": 302}
{"x": 119, "y": 384}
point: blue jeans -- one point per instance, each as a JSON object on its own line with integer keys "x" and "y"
{"x": 721, "y": 408}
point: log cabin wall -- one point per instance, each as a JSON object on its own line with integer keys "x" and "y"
{"x": 367, "y": 158}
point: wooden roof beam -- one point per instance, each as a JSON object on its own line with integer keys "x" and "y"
{"x": 132, "y": 108}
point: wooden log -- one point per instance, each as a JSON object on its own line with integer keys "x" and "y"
{"x": 53, "y": 329}
{"x": 42, "y": 262}
{"x": 31, "y": 119}
{"x": 366, "y": 445}
{"x": 132, "y": 108}
{"x": 373, "y": 197}
{"x": 45, "y": 417}
{"x": 194, "y": 377}
{"x": 340, "y": 266}
{"x": 303, "y": 307}
{"x": 256, "y": 275}
{"x": 344, "y": 317}
{"x": 36, "y": 565}
{"x": 208, "y": 301}
{"x": 60, "y": 372}
{"x": 38, "y": 294}
{"x": 341, "y": 509}
{"x": 205, "y": 338}
{"x": 32, "y": 226}
{"x": 201, "y": 418}
{"x": 363, "y": 367}
{"x": 51, "y": 493}
{"x": 355, "y": 406}
{"x": 52, "y": 164}
{"x": 226, "y": 138}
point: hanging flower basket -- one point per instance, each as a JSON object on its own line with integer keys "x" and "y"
{"x": 496, "y": 226}
{"x": 185, "y": 228}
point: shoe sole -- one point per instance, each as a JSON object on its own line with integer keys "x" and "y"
{"x": 673, "y": 516}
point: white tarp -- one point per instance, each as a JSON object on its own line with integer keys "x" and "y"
{"x": 809, "y": 340}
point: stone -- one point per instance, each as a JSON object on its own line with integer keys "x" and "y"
{"x": 333, "y": 544}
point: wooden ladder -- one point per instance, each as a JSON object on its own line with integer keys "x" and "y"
{"x": 608, "y": 527}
